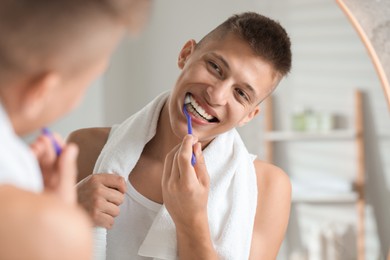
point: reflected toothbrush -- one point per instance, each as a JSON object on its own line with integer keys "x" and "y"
{"x": 56, "y": 146}
{"x": 189, "y": 126}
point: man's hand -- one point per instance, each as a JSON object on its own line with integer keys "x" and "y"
{"x": 185, "y": 193}
{"x": 101, "y": 195}
{"x": 59, "y": 173}
{"x": 185, "y": 187}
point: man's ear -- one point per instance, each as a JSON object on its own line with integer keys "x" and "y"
{"x": 186, "y": 52}
{"x": 250, "y": 116}
{"x": 37, "y": 92}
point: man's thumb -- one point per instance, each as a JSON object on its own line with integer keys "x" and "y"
{"x": 200, "y": 165}
{"x": 67, "y": 167}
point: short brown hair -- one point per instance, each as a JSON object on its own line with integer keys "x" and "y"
{"x": 56, "y": 34}
{"x": 266, "y": 37}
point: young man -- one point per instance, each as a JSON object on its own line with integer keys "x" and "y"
{"x": 50, "y": 51}
{"x": 228, "y": 205}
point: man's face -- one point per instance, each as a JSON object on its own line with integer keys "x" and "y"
{"x": 225, "y": 81}
{"x": 72, "y": 85}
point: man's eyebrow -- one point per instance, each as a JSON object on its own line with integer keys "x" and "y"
{"x": 219, "y": 57}
{"x": 250, "y": 88}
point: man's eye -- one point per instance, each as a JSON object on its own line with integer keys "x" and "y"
{"x": 215, "y": 67}
{"x": 242, "y": 94}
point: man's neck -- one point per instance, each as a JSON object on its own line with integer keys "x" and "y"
{"x": 164, "y": 140}
{"x": 10, "y": 98}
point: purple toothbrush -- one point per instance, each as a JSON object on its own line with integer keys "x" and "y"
{"x": 189, "y": 127}
{"x": 56, "y": 146}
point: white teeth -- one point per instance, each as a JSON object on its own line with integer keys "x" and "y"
{"x": 194, "y": 112}
{"x": 195, "y": 107}
{"x": 187, "y": 99}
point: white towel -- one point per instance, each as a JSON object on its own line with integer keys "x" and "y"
{"x": 233, "y": 187}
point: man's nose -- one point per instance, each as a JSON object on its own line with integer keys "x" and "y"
{"x": 218, "y": 94}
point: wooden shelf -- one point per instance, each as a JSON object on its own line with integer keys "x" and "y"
{"x": 342, "y": 134}
{"x": 350, "y": 197}
{"x": 355, "y": 135}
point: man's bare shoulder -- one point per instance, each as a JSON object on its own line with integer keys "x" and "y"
{"x": 270, "y": 172}
{"x": 273, "y": 209}
{"x": 270, "y": 176}
{"x": 89, "y": 135}
{"x": 90, "y": 142}
{"x": 44, "y": 226}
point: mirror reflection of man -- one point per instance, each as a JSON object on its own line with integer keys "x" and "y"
{"x": 229, "y": 205}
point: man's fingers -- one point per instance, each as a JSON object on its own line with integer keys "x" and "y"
{"x": 68, "y": 172}
{"x": 104, "y": 220}
{"x": 175, "y": 171}
{"x": 184, "y": 159}
{"x": 168, "y": 165}
{"x": 113, "y": 181}
{"x": 59, "y": 139}
{"x": 114, "y": 196}
{"x": 108, "y": 186}
{"x": 200, "y": 166}
{"x": 43, "y": 150}
{"x": 110, "y": 209}
{"x": 101, "y": 202}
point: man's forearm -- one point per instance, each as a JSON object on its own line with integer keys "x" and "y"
{"x": 194, "y": 242}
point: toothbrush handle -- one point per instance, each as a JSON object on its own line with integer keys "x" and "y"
{"x": 56, "y": 146}
{"x": 189, "y": 126}
{"x": 193, "y": 159}
{"x": 189, "y": 131}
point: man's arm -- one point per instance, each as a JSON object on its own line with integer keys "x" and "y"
{"x": 42, "y": 227}
{"x": 99, "y": 194}
{"x": 273, "y": 210}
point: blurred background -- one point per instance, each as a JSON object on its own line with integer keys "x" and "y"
{"x": 311, "y": 129}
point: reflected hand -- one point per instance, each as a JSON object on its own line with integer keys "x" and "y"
{"x": 185, "y": 188}
{"x": 101, "y": 195}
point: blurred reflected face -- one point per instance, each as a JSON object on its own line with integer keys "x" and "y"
{"x": 76, "y": 85}
{"x": 139, "y": 16}
{"x": 73, "y": 85}
{"x": 224, "y": 81}
{"x": 68, "y": 61}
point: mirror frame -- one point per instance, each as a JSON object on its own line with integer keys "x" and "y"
{"x": 370, "y": 48}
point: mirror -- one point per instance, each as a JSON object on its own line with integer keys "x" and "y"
{"x": 372, "y": 22}
{"x": 330, "y": 63}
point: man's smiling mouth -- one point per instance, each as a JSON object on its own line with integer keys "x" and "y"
{"x": 195, "y": 109}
